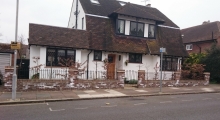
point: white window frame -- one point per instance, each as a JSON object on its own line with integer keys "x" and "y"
{"x": 189, "y": 47}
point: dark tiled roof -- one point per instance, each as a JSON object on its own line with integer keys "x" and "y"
{"x": 57, "y": 36}
{"x": 5, "y": 48}
{"x": 201, "y": 32}
{"x": 136, "y": 11}
{"x": 107, "y": 7}
{"x": 100, "y": 35}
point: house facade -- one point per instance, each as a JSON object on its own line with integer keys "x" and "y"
{"x": 199, "y": 38}
{"x": 127, "y": 35}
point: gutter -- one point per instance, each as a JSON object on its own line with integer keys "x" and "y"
{"x": 87, "y": 72}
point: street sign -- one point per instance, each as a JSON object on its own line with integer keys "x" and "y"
{"x": 162, "y": 50}
{"x": 15, "y": 45}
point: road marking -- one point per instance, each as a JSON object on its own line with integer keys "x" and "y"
{"x": 166, "y": 102}
{"x": 207, "y": 99}
{"x": 110, "y": 106}
{"x": 23, "y": 104}
{"x": 47, "y": 103}
{"x": 140, "y": 104}
{"x": 81, "y": 108}
{"x": 56, "y": 110}
{"x": 186, "y": 100}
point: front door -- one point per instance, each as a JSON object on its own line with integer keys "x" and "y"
{"x": 111, "y": 66}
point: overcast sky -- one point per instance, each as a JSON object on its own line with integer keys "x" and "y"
{"x": 185, "y": 13}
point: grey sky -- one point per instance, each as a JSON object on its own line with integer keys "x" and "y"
{"x": 185, "y": 13}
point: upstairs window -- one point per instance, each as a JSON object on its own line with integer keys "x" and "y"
{"x": 97, "y": 55}
{"x": 120, "y": 26}
{"x": 151, "y": 31}
{"x": 189, "y": 47}
{"x": 59, "y": 57}
{"x": 135, "y": 58}
{"x": 137, "y": 29}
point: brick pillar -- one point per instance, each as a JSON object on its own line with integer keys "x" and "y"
{"x": 177, "y": 75}
{"x": 141, "y": 78}
{"x": 206, "y": 77}
{"x": 121, "y": 75}
{"x": 8, "y": 77}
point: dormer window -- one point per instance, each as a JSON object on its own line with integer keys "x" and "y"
{"x": 151, "y": 31}
{"x": 122, "y": 3}
{"x": 137, "y": 29}
{"x": 95, "y": 2}
{"x": 120, "y": 26}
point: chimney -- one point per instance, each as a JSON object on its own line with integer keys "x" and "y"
{"x": 148, "y": 5}
{"x": 205, "y": 22}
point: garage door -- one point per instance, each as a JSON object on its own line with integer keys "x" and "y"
{"x": 4, "y": 61}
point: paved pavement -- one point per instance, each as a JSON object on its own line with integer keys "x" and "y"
{"x": 68, "y": 95}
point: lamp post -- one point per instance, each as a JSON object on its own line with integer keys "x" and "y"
{"x": 14, "y": 78}
{"x": 162, "y": 50}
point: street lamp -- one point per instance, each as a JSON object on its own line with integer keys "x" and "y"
{"x": 162, "y": 50}
{"x": 14, "y": 78}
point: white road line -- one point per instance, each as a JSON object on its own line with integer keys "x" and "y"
{"x": 82, "y": 108}
{"x": 207, "y": 99}
{"x": 110, "y": 106}
{"x": 47, "y": 103}
{"x": 140, "y": 104}
{"x": 56, "y": 110}
{"x": 23, "y": 104}
{"x": 166, "y": 102}
{"x": 186, "y": 100}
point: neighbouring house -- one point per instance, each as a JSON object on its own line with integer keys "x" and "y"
{"x": 198, "y": 39}
{"x": 126, "y": 35}
{"x": 6, "y": 56}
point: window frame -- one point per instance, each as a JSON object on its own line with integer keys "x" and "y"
{"x": 170, "y": 65}
{"x": 118, "y": 25}
{"x": 189, "y": 46}
{"x": 149, "y": 25}
{"x": 56, "y": 64}
{"x": 99, "y": 59}
{"x": 135, "y": 56}
{"x": 136, "y": 35}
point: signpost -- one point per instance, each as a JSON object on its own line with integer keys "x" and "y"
{"x": 15, "y": 45}
{"x": 162, "y": 50}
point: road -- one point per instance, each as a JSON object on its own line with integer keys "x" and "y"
{"x": 169, "y": 107}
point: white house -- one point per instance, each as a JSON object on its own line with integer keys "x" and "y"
{"x": 129, "y": 36}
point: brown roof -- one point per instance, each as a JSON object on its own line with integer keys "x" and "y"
{"x": 5, "y": 48}
{"x": 100, "y": 35}
{"x": 201, "y": 32}
{"x": 57, "y": 36}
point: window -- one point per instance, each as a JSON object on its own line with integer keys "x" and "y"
{"x": 97, "y": 55}
{"x": 151, "y": 31}
{"x": 121, "y": 26}
{"x": 59, "y": 57}
{"x": 82, "y": 23}
{"x": 135, "y": 58}
{"x": 189, "y": 47}
{"x": 137, "y": 29}
{"x": 95, "y": 1}
{"x": 170, "y": 64}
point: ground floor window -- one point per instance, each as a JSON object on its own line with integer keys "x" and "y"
{"x": 97, "y": 55}
{"x": 59, "y": 57}
{"x": 170, "y": 63}
{"x": 135, "y": 58}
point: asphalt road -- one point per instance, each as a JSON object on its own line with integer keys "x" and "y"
{"x": 169, "y": 107}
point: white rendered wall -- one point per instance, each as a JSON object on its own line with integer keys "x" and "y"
{"x": 43, "y": 52}
{"x": 34, "y": 52}
{"x": 72, "y": 19}
{"x": 127, "y": 27}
